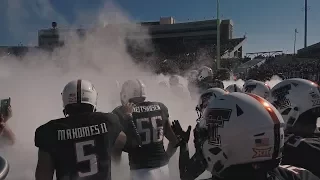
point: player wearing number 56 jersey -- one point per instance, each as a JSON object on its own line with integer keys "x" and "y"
{"x": 145, "y": 130}
{"x": 80, "y": 145}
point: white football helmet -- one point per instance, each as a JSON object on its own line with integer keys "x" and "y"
{"x": 207, "y": 96}
{"x": 296, "y": 97}
{"x": 192, "y": 75}
{"x": 79, "y": 92}
{"x": 174, "y": 80}
{"x": 257, "y": 87}
{"x": 132, "y": 89}
{"x": 204, "y": 72}
{"x": 163, "y": 84}
{"x": 234, "y": 88}
{"x": 242, "y": 129}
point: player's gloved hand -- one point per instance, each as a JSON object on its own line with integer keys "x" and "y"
{"x": 183, "y": 136}
{"x": 200, "y": 135}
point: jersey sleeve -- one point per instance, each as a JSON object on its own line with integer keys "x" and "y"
{"x": 43, "y": 138}
{"x": 164, "y": 110}
{"x": 300, "y": 173}
{"x": 309, "y": 147}
{"x": 114, "y": 126}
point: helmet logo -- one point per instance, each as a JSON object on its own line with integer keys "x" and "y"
{"x": 215, "y": 119}
{"x": 250, "y": 88}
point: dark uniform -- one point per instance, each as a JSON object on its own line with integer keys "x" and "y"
{"x": 145, "y": 132}
{"x": 302, "y": 152}
{"x": 80, "y": 145}
{"x": 190, "y": 169}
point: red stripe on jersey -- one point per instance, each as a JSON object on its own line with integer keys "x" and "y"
{"x": 266, "y": 105}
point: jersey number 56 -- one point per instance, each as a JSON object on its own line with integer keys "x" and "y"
{"x": 153, "y": 134}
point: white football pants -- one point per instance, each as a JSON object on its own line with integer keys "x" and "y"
{"x": 160, "y": 173}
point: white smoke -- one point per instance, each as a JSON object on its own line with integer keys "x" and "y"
{"x": 35, "y": 82}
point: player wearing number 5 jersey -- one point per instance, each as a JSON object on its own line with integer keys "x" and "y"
{"x": 79, "y": 146}
{"x": 145, "y": 130}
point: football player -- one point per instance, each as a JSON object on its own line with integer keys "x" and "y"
{"x": 245, "y": 141}
{"x": 80, "y": 145}
{"x": 298, "y": 101}
{"x": 257, "y": 87}
{"x": 145, "y": 130}
{"x": 234, "y": 88}
{"x": 6, "y": 133}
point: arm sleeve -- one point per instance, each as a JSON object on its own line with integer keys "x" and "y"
{"x": 190, "y": 169}
{"x": 114, "y": 126}
{"x": 297, "y": 146}
{"x": 42, "y": 138}
{"x": 301, "y": 173}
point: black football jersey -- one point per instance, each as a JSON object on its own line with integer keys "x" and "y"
{"x": 80, "y": 145}
{"x": 302, "y": 152}
{"x": 145, "y": 132}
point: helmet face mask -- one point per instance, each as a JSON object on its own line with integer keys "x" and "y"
{"x": 206, "y": 97}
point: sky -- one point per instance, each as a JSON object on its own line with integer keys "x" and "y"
{"x": 269, "y": 25}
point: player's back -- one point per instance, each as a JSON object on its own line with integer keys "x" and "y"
{"x": 150, "y": 119}
{"x": 80, "y": 145}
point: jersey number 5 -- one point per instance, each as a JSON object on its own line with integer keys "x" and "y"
{"x": 157, "y": 131}
{"x": 81, "y": 157}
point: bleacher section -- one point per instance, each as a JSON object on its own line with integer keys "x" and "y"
{"x": 247, "y": 65}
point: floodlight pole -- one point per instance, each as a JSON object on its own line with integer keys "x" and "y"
{"x": 305, "y": 22}
{"x": 295, "y": 40}
{"x": 218, "y": 35}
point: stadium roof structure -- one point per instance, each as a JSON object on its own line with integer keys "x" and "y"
{"x": 312, "y": 51}
{"x": 166, "y": 28}
{"x": 267, "y": 53}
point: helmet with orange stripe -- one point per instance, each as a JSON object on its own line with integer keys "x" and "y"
{"x": 257, "y": 87}
{"x": 243, "y": 129}
{"x": 298, "y": 101}
{"x": 79, "y": 96}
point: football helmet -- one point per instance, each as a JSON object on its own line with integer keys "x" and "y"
{"x": 204, "y": 72}
{"x": 79, "y": 92}
{"x": 298, "y": 101}
{"x": 192, "y": 75}
{"x": 257, "y": 87}
{"x": 207, "y": 96}
{"x": 234, "y": 88}
{"x": 242, "y": 129}
{"x": 4, "y": 168}
{"x": 174, "y": 80}
{"x": 132, "y": 89}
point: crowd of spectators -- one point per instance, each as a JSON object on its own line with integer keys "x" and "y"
{"x": 288, "y": 68}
